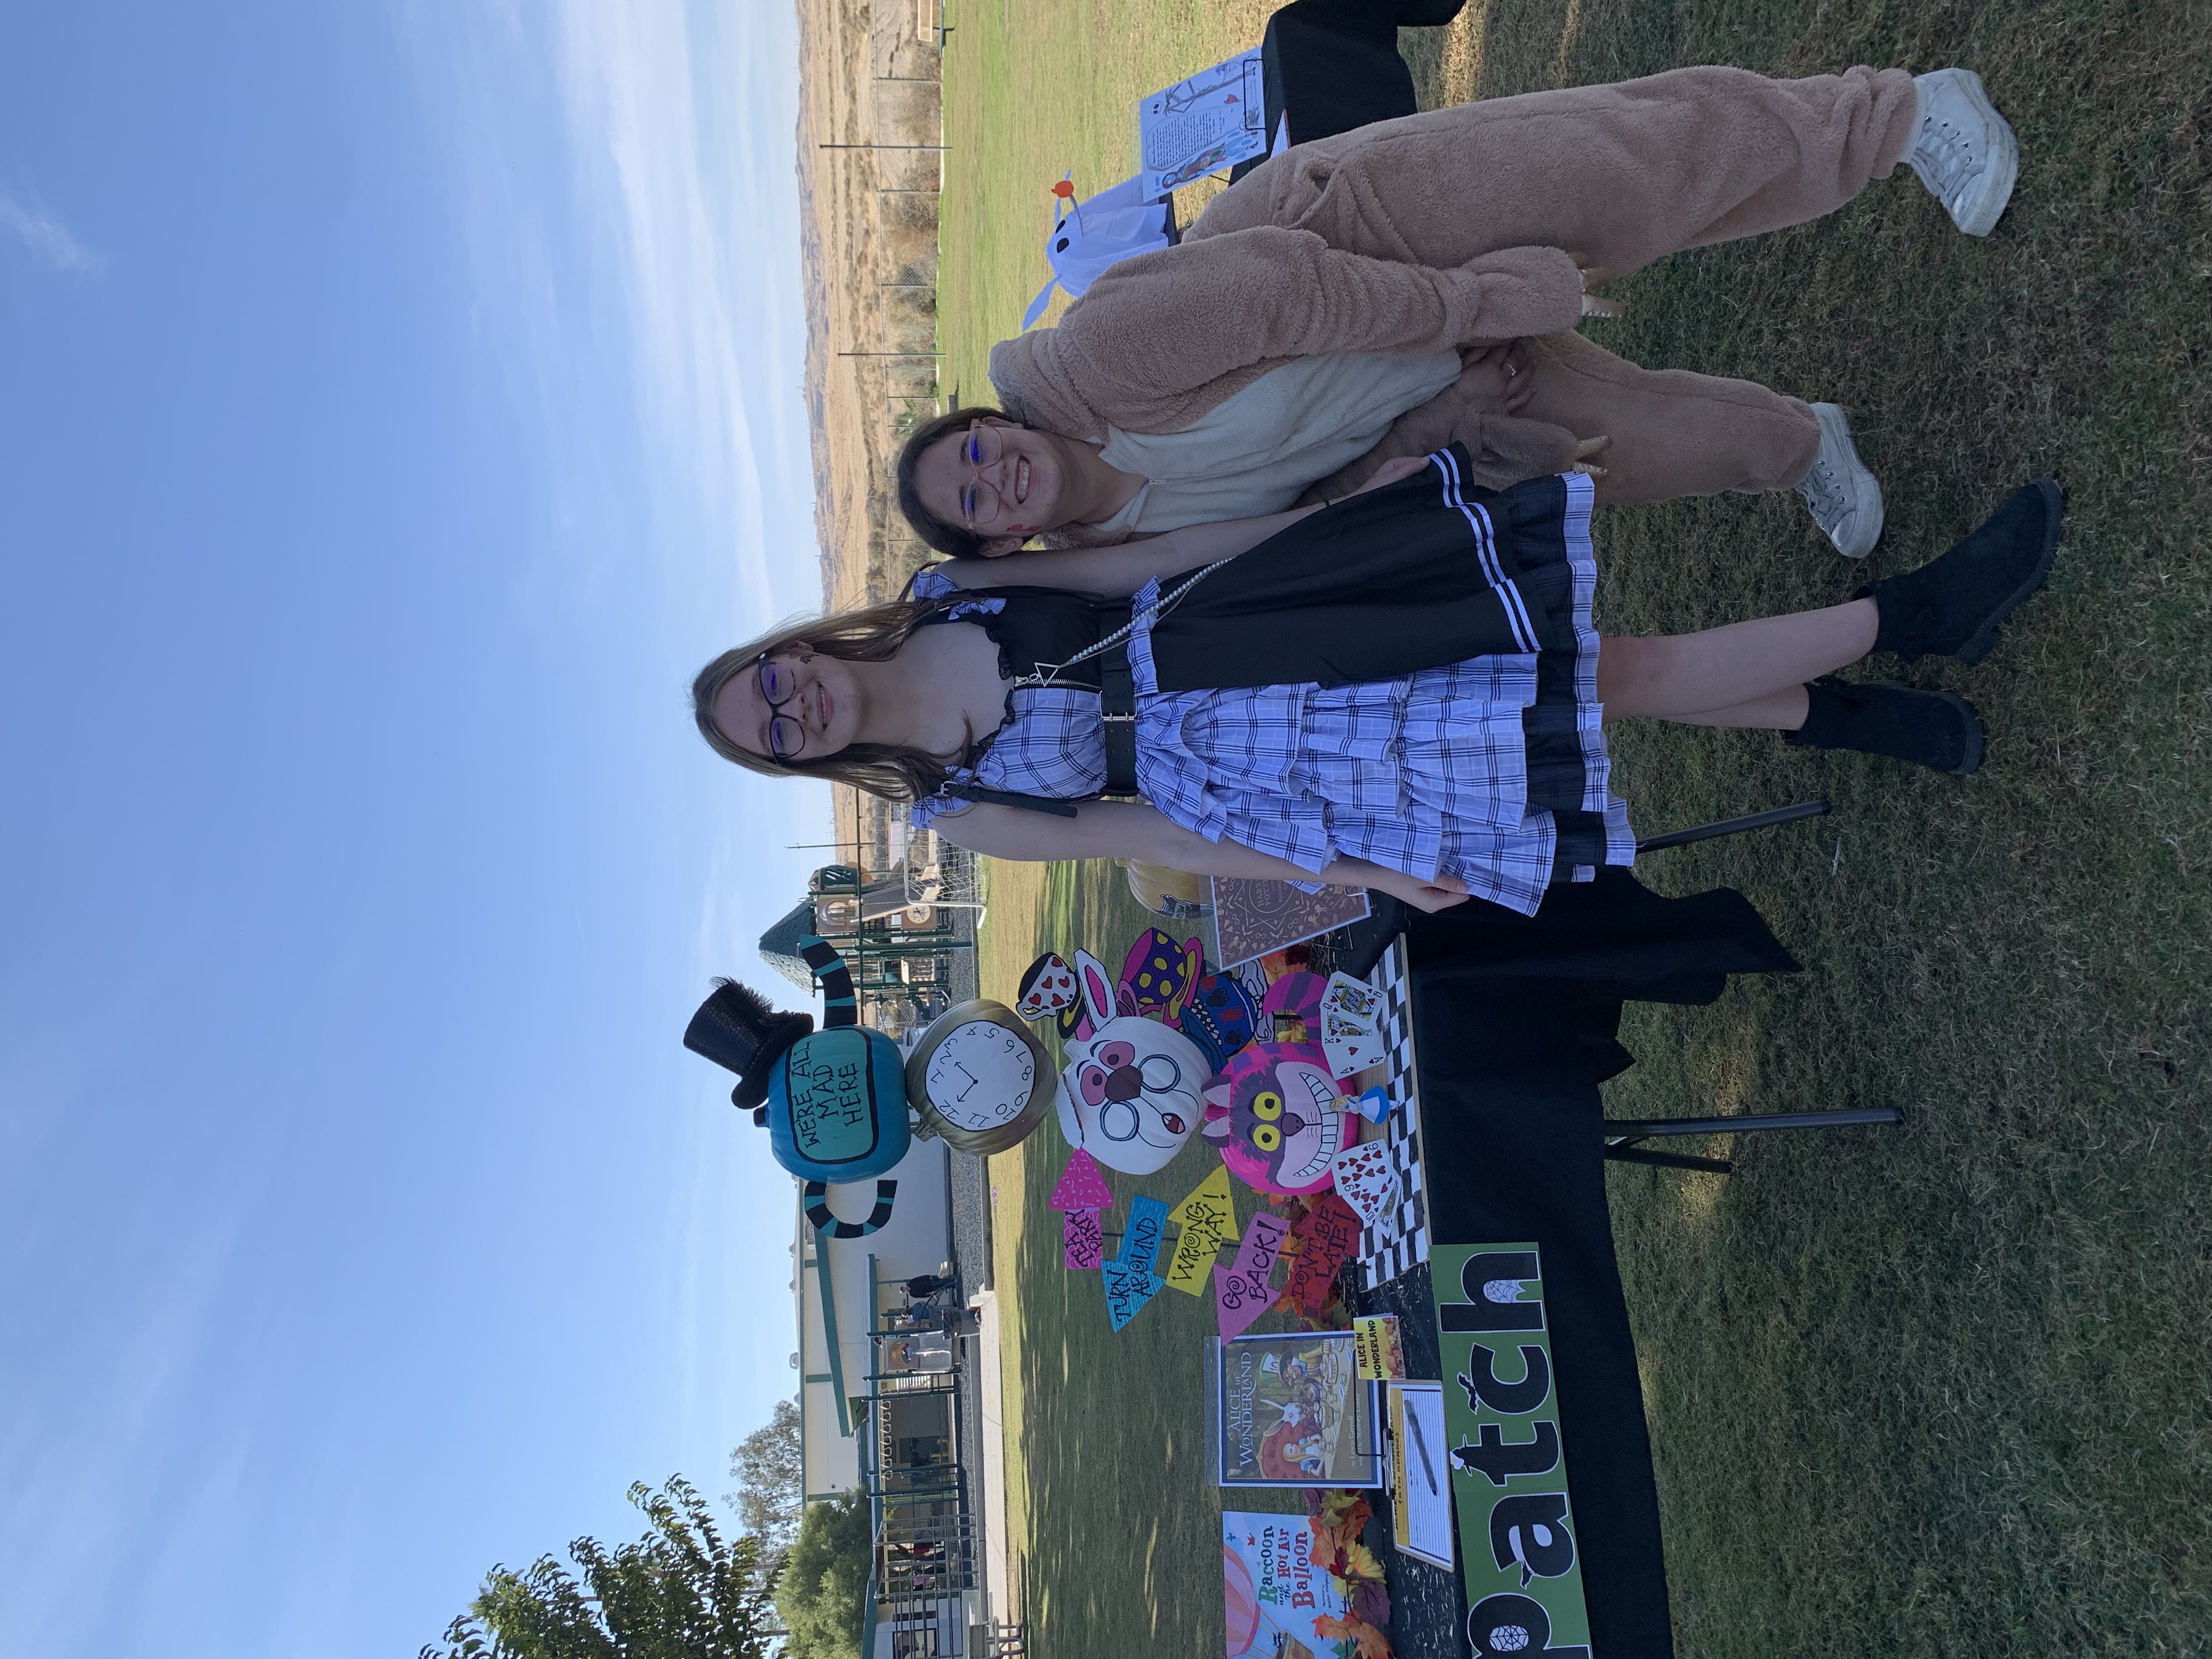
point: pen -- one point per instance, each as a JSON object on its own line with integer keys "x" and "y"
{"x": 1421, "y": 1443}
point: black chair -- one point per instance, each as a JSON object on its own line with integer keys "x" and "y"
{"x": 1623, "y": 1135}
{"x": 1333, "y": 65}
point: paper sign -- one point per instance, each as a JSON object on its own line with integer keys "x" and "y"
{"x": 1238, "y": 1300}
{"x": 1194, "y": 1254}
{"x": 1140, "y": 1244}
{"x": 1382, "y": 1354}
{"x": 1365, "y": 1180}
{"x": 1083, "y": 1240}
{"x": 1519, "y": 1551}
{"x": 1081, "y": 1187}
{"x": 1209, "y": 1217}
{"x": 1205, "y": 123}
{"x": 1421, "y": 1488}
{"x": 1359, "y": 1004}
{"x": 1209, "y": 1199}
{"x": 1331, "y": 1232}
{"x": 1128, "y": 1287}
{"x": 1263, "y": 1243}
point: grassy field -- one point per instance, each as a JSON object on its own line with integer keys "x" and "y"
{"x": 1937, "y": 1390}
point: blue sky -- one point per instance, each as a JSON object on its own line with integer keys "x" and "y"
{"x": 397, "y": 404}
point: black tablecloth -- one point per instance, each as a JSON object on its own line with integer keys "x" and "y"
{"x": 1515, "y": 1024}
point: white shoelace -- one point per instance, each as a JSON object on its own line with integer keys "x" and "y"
{"x": 1824, "y": 493}
{"x": 1946, "y": 158}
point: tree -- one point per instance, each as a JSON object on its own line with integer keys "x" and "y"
{"x": 680, "y": 1592}
{"x": 824, "y": 1584}
{"x": 771, "y": 1477}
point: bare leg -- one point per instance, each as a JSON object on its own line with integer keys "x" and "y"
{"x": 1778, "y": 711}
{"x": 1732, "y": 671}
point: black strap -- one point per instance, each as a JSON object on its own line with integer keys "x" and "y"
{"x": 1117, "y": 708}
{"x": 976, "y": 791}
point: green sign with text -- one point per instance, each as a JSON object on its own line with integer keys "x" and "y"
{"x": 1509, "y": 1470}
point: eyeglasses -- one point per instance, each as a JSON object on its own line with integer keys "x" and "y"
{"x": 778, "y": 686}
{"x": 983, "y": 447}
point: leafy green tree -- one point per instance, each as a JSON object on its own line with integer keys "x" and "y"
{"x": 825, "y": 1579}
{"x": 771, "y": 1476}
{"x": 682, "y": 1591}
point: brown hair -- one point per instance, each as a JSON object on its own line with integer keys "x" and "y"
{"x": 873, "y": 633}
{"x": 954, "y": 539}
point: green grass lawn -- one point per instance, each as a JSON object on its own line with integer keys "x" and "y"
{"x": 1934, "y": 1390}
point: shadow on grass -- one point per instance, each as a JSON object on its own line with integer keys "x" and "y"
{"x": 1933, "y": 1390}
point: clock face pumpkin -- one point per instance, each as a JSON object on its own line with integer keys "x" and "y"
{"x": 979, "y": 1079}
{"x": 980, "y": 1075}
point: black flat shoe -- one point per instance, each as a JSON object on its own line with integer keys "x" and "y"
{"x": 1939, "y": 730}
{"x": 1952, "y": 606}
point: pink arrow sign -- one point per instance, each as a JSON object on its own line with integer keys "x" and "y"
{"x": 1081, "y": 1186}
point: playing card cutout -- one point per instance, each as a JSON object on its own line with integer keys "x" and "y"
{"x": 1357, "y": 1003}
{"x": 1364, "y": 1180}
{"x": 1081, "y": 1186}
{"x": 1350, "y": 1053}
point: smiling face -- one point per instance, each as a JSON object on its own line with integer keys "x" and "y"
{"x": 825, "y": 701}
{"x": 1029, "y": 478}
{"x": 1277, "y": 1119}
{"x": 1129, "y": 1094}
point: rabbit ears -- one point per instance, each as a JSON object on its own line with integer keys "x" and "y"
{"x": 1097, "y": 987}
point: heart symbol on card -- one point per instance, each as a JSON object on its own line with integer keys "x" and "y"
{"x": 1365, "y": 1180}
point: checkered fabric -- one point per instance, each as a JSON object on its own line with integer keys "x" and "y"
{"x": 1425, "y": 774}
{"x": 1402, "y": 1239}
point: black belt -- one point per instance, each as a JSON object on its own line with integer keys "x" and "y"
{"x": 1117, "y": 709}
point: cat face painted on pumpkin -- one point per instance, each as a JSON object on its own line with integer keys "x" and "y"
{"x": 1274, "y": 1114}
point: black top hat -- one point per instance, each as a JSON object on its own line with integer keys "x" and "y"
{"x": 736, "y": 1028}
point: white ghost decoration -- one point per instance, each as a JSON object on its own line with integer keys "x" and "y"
{"x": 1088, "y": 236}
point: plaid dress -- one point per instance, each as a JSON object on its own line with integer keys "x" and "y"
{"x": 1493, "y": 769}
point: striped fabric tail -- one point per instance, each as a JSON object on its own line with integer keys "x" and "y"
{"x": 839, "y": 1008}
{"x": 820, "y": 1217}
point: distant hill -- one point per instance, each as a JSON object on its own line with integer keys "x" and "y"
{"x": 868, "y": 261}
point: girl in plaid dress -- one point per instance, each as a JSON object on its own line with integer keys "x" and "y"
{"x": 1309, "y": 716}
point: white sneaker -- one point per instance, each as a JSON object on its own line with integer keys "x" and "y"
{"x": 1964, "y": 151}
{"x": 1842, "y": 495}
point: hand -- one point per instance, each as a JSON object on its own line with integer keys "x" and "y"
{"x": 1497, "y": 375}
{"x": 1393, "y": 471}
{"x": 1440, "y": 893}
{"x": 1596, "y": 276}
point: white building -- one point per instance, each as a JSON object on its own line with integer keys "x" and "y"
{"x": 842, "y": 1285}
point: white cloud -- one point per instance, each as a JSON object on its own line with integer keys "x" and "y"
{"x": 711, "y": 254}
{"x": 48, "y": 238}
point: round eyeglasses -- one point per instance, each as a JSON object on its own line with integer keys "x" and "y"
{"x": 984, "y": 446}
{"x": 778, "y": 686}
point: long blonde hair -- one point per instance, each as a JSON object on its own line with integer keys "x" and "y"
{"x": 874, "y": 633}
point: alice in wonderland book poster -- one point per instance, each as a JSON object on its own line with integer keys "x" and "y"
{"x": 1290, "y": 1409}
